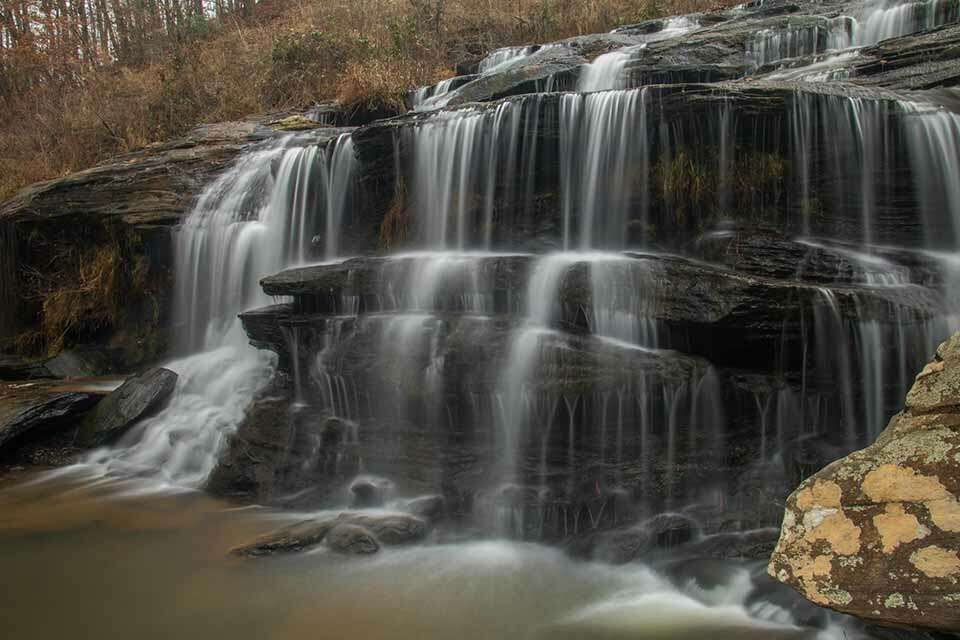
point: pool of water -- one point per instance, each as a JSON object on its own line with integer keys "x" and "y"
{"x": 107, "y": 559}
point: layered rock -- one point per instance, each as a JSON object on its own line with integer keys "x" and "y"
{"x": 109, "y": 227}
{"x": 877, "y": 533}
{"x": 39, "y": 413}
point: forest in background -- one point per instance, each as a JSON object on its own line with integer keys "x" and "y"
{"x": 81, "y": 80}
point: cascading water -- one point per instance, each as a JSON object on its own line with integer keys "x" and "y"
{"x": 770, "y": 45}
{"x": 603, "y": 146}
{"x": 884, "y": 19}
{"x": 625, "y": 320}
{"x": 248, "y": 223}
{"x": 502, "y": 58}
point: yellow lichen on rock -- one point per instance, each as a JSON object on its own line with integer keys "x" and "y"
{"x": 892, "y": 483}
{"x": 945, "y": 514}
{"x": 896, "y": 527}
{"x": 819, "y": 494}
{"x": 936, "y": 562}
{"x": 839, "y": 532}
{"x": 875, "y": 534}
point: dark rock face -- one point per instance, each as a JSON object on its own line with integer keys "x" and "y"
{"x": 119, "y": 213}
{"x": 19, "y": 368}
{"x": 135, "y": 399}
{"x": 73, "y": 364}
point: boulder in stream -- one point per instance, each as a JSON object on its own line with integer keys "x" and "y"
{"x": 877, "y": 534}
{"x": 352, "y": 539}
{"x": 384, "y": 527}
{"x": 137, "y": 398}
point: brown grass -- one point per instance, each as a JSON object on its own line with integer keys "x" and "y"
{"x": 362, "y": 52}
{"x": 81, "y": 296}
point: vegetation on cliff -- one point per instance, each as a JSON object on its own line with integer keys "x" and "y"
{"x": 81, "y": 80}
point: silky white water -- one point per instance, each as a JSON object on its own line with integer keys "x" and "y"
{"x": 248, "y": 223}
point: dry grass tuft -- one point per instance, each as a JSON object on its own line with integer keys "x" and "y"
{"x": 396, "y": 223}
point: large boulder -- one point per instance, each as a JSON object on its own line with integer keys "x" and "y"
{"x": 137, "y": 398}
{"x": 877, "y": 533}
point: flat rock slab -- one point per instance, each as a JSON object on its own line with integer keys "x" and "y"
{"x": 29, "y": 409}
{"x": 137, "y": 398}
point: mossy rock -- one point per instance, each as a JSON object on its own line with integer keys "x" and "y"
{"x": 294, "y": 123}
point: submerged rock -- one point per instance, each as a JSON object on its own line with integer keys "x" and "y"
{"x": 877, "y": 533}
{"x": 135, "y": 399}
{"x": 390, "y": 528}
{"x": 353, "y": 539}
{"x": 380, "y": 528}
{"x": 289, "y": 539}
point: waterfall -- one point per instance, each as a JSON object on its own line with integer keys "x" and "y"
{"x": 934, "y": 137}
{"x": 606, "y": 72}
{"x": 883, "y": 19}
{"x": 256, "y": 218}
{"x": 771, "y": 45}
{"x": 603, "y": 147}
{"x": 458, "y": 154}
{"x": 503, "y": 58}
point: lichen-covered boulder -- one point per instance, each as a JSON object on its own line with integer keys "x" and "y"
{"x": 877, "y": 533}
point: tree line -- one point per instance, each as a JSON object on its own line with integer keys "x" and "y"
{"x": 56, "y": 40}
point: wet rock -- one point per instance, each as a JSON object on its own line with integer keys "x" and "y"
{"x": 390, "y": 528}
{"x": 137, "y": 398}
{"x": 808, "y": 454}
{"x": 17, "y": 368}
{"x": 875, "y": 534}
{"x": 76, "y": 364}
{"x": 755, "y": 544}
{"x": 622, "y": 545}
{"x": 429, "y": 508}
{"x": 154, "y": 185}
{"x": 527, "y": 77}
{"x": 33, "y": 410}
{"x": 386, "y": 528}
{"x": 370, "y": 491}
{"x": 616, "y": 547}
{"x": 767, "y": 591}
{"x": 289, "y": 539}
{"x": 671, "y": 529}
{"x": 352, "y": 539}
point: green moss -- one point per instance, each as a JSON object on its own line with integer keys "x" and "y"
{"x": 294, "y": 123}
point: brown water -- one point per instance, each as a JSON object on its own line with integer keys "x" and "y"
{"x": 83, "y": 559}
